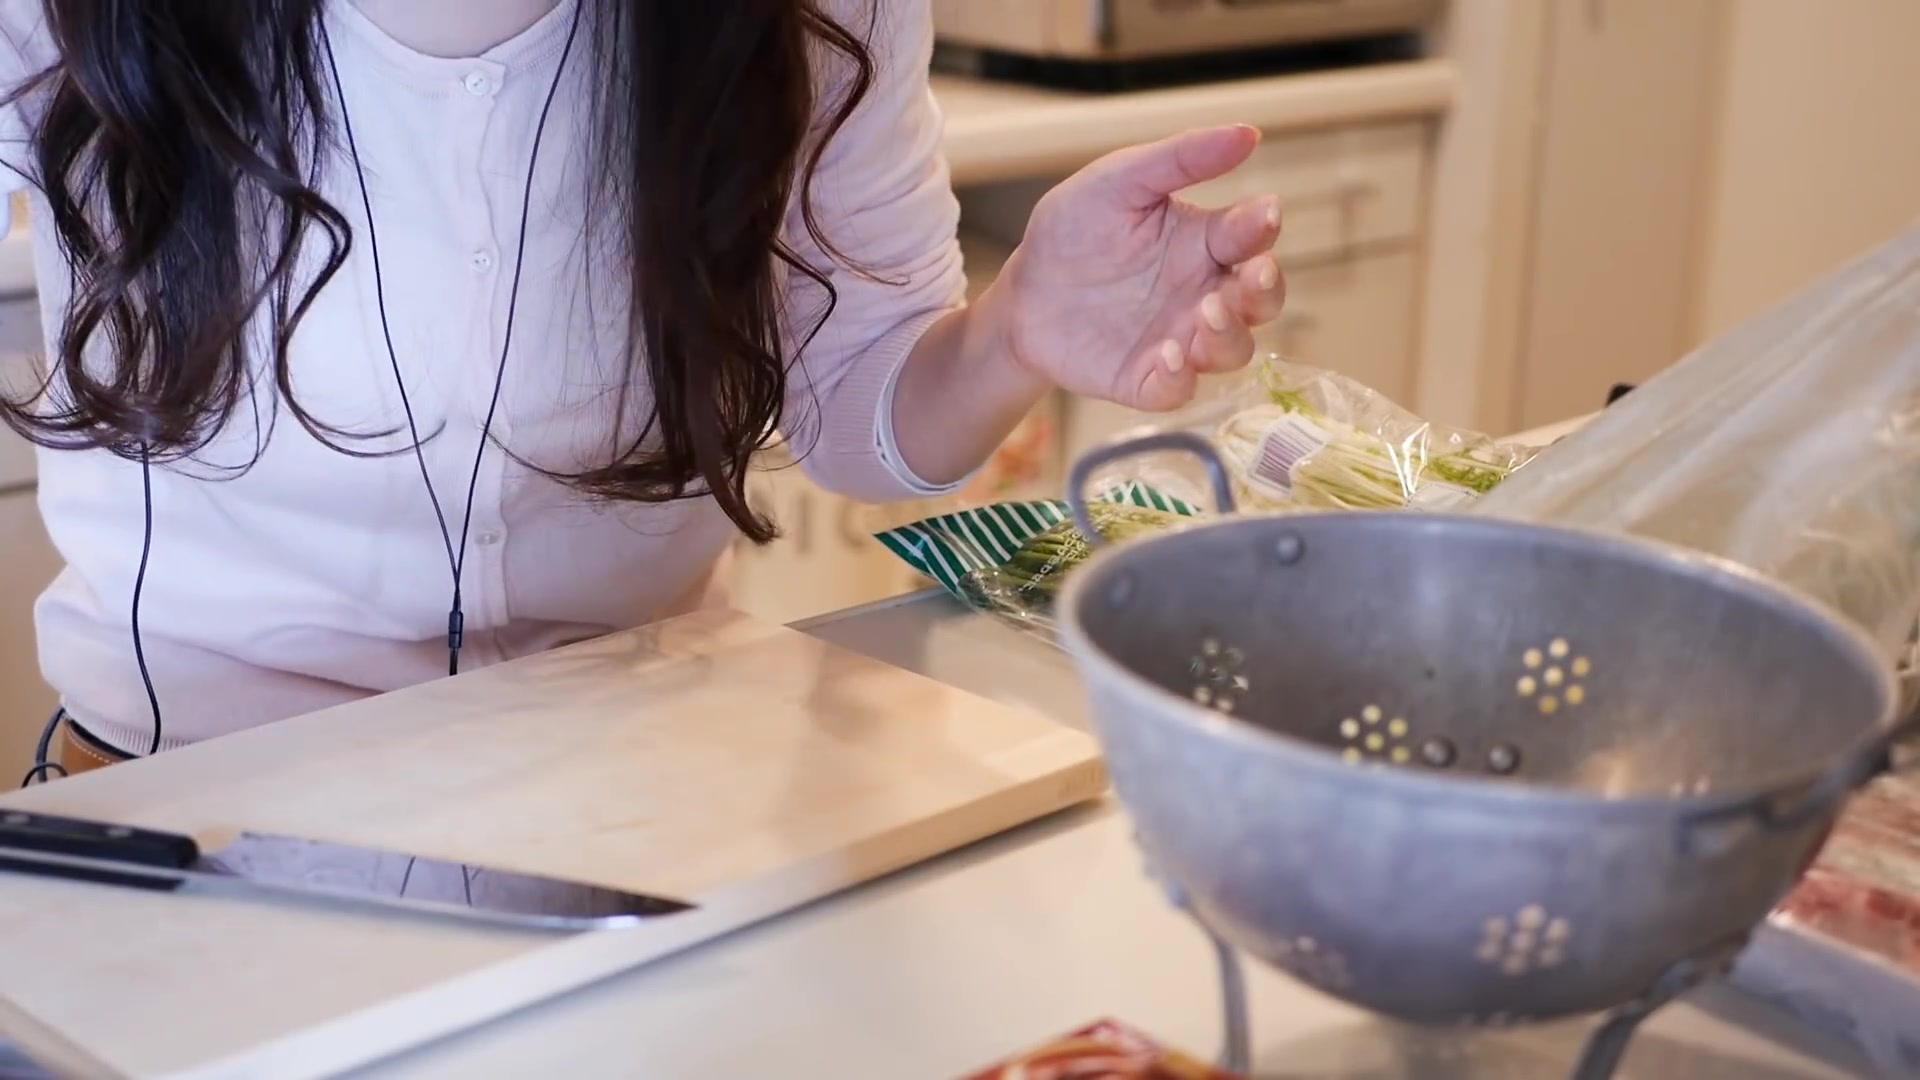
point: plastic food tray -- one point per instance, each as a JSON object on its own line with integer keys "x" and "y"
{"x": 1843, "y": 952}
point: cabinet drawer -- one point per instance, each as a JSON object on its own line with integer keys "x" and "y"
{"x": 1340, "y": 189}
{"x": 1354, "y": 316}
{"x": 825, "y": 559}
{"x": 16, "y": 251}
{"x": 19, "y": 345}
{"x": 29, "y": 565}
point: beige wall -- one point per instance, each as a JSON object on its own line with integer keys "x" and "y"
{"x": 1817, "y": 153}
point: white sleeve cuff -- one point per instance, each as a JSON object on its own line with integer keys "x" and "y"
{"x": 889, "y": 447}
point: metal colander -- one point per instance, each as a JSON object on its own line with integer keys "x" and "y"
{"x": 1461, "y": 771}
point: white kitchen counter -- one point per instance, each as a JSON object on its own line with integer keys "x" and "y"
{"x": 949, "y": 966}
{"x": 946, "y": 967}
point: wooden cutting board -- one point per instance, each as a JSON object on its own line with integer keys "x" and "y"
{"x": 743, "y": 766}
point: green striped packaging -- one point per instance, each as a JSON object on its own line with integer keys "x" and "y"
{"x": 969, "y": 552}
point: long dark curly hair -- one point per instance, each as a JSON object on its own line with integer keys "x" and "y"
{"x": 178, "y": 154}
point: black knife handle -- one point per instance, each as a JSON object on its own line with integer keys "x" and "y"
{"x": 21, "y": 830}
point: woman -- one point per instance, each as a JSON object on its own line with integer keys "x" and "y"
{"x": 386, "y": 336}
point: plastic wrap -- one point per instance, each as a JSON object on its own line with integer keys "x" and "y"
{"x": 1294, "y": 437}
{"x": 1303, "y": 438}
{"x": 1010, "y": 558}
{"x": 1843, "y": 951}
{"x": 1791, "y": 445}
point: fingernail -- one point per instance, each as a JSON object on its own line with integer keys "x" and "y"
{"x": 1273, "y": 213}
{"x": 1172, "y": 357}
{"x": 1214, "y": 311}
{"x": 1269, "y": 274}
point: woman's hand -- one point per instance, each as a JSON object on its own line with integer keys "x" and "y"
{"x": 1123, "y": 291}
{"x": 1120, "y": 290}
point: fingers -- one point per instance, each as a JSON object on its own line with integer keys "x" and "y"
{"x": 1223, "y": 320}
{"x": 1257, "y": 292}
{"x": 1221, "y": 340}
{"x": 1166, "y": 378}
{"x": 1219, "y": 337}
{"x": 1145, "y": 175}
{"x": 1244, "y": 230}
{"x": 1169, "y": 372}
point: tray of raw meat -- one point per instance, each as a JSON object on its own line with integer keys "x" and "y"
{"x": 1843, "y": 951}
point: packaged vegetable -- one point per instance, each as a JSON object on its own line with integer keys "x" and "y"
{"x": 1010, "y": 558}
{"x": 1297, "y": 437}
{"x": 1322, "y": 440}
{"x": 1293, "y": 438}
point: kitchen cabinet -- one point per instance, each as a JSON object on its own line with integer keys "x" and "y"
{"x": 28, "y": 565}
{"x": 1343, "y": 191}
{"x": 1623, "y": 160}
{"x": 27, "y": 559}
{"x": 20, "y": 343}
{"x": 1350, "y": 248}
{"x": 1814, "y": 158}
{"x": 825, "y": 559}
{"x": 1340, "y": 314}
{"x": 16, "y": 252}
{"x": 1619, "y": 181}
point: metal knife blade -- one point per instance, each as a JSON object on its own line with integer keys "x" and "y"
{"x": 285, "y": 867}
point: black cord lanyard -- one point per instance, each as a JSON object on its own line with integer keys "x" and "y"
{"x": 456, "y": 555}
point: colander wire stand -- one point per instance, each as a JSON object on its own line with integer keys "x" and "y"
{"x": 1599, "y": 1059}
{"x": 1607, "y": 1046}
{"x": 1236, "y": 1054}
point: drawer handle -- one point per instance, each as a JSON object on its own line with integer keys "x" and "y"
{"x": 1344, "y": 194}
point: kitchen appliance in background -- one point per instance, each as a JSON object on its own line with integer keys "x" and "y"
{"x": 1144, "y": 29}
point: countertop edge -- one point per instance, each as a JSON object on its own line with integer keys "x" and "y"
{"x": 996, "y": 132}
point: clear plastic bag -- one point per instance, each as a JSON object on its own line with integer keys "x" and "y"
{"x": 1011, "y": 558}
{"x": 1791, "y": 445}
{"x": 1295, "y": 437}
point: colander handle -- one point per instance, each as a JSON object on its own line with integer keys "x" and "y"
{"x": 1786, "y": 812}
{"x": 1180, "y": 441}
